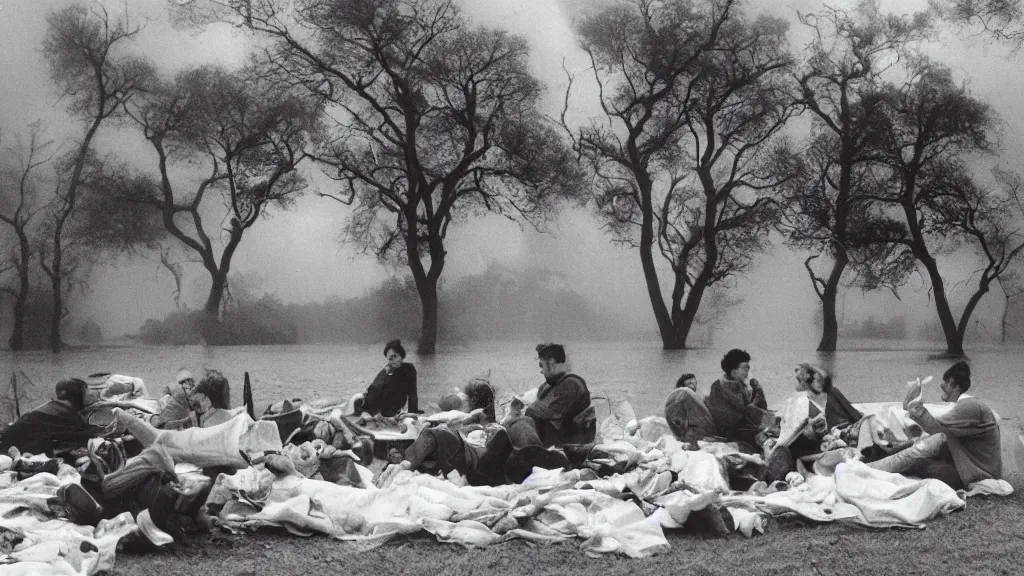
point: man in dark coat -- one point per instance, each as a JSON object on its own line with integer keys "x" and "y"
{"x": 54, "y": 424}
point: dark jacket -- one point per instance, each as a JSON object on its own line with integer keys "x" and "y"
{"x": 41, "y": 429}
{"x": 389, "y": 392}
{"x": 556, "y": 409}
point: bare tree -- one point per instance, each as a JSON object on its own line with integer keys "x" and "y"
{"x": 81, "y": 47}
{"x": 827, "y": 212}
{"x": 935, "y": 123}
{"x": 250, "y": 134}
{"x": 694, "y": 96}
{"x": 431, "y": 120}
{"x": 1000, "y": 19}
{"x": 17, "y": 208}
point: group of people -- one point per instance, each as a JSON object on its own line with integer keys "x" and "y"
{"x": 555, "y": 427}
{"x": 560, "y": 416}
{"x": 822, "y": 428}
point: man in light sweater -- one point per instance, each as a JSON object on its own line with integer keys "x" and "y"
{"x": 964, "y": 444}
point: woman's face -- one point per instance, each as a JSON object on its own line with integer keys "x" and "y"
{"x": 741, "y": 372}
{"x": 803, "y": 379}
{"x": 394, "y": 358}
{"x": 201, "y": 403}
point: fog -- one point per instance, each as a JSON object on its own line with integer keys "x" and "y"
{"x": 296, "y": 254}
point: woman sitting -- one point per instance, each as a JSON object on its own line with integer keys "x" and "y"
{"x": 392, "y": 389}
{"x": 807, "y": 419}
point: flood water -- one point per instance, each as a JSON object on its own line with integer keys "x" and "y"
{"x": 638, "y": 371}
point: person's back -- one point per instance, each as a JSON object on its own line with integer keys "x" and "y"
{"x": 972, "y": 434}
{"x": 56, "y": 421}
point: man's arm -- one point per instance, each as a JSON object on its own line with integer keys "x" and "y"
{"x": 961, "y": 421}
{"x": 556, "y": 404}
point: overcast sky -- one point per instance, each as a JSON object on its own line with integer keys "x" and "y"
{"x": 296, "y": 253}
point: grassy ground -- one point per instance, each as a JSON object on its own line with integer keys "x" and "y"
{"x": 986, "y": 538}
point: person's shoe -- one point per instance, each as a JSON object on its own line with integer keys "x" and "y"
{"x": 522, "y": 462}
{"x": 77, "y": 505}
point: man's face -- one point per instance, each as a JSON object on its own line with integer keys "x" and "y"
{"x": 741, "y": 372}
{"x": 690, "y": 383}
{"x": 950, "y": 392}
{"x": 547, "y": 367}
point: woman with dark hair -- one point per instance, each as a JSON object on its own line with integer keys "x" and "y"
{"x": 737, "y": 404}
{"x": 212, "y": 399}
{"x": 480, "y": 396}
{"x": 393, "y": 387}
{"x": 807, "y": 418}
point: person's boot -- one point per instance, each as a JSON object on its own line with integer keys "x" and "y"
{"x": 77, "y": 505}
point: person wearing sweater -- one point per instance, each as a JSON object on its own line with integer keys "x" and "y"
{"x": 963, "y": 445}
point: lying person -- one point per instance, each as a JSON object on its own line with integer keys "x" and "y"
{"x": 55, "y": 423}
{"x": 963, "y": 445}
{"x": 224, "y": 445}
{"x": 807, "y": 419}
{"x": 443, "y": 450}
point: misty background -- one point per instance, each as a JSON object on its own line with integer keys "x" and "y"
{"x": 296, "y": 255}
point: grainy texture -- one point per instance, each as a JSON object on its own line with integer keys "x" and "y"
{"x": 986, "y": 538}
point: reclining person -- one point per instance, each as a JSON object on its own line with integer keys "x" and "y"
{"x": 963, "y": 445}
{"x": 56, "y": 422}
{"x": 441, "y": 449}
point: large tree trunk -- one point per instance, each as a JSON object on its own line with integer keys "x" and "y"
{"x": 954, "y": 339}
{"x": 829, "y": 293}
{"x": 669, "y": 337}
{"x": 428, "y": 330}
{"x": 687, "y": 316}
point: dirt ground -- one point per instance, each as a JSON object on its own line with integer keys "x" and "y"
{"x": 986, "y": 538}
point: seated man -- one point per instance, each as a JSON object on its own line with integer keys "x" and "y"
{"x": 964, "y": 444}
{"x": 737, "y": 405}
{"x": 53, "y": 423}
{"x": 561, "y": 401}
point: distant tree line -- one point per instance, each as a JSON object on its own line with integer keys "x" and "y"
{"x": 500, "y": 304}
{"x": 425, "y": 120}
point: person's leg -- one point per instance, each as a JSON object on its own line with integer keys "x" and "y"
{"x": 491, "y": 460}
{"x": 780, "y": 463}
{"x": 522, "y": 431}
{"x": 422, "y": 449}
{"x": 905, "y": 460}
{"x": 142, "y": 431}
